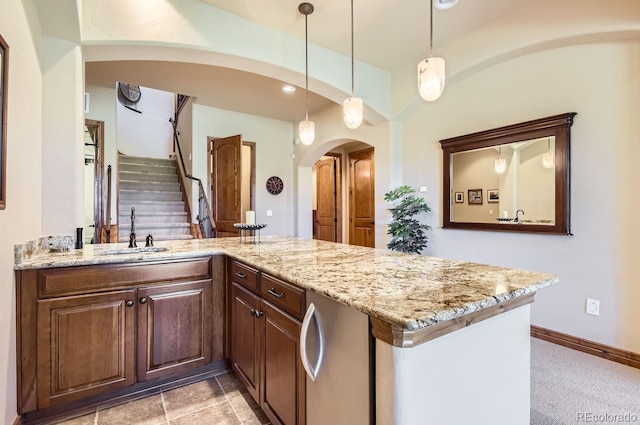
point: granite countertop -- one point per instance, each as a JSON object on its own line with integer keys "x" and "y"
{"x": 407, "y": 291}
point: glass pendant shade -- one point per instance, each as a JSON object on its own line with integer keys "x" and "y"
{"x": 307, "y": 132}
{"x": 431, "y": 78}
{"x": 548, "y": 159}
{"x": 353, "y": 111}
{"x": 500, "y": 165}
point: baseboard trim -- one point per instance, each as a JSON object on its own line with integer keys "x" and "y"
{"x": 18, "y": 421}
{"x": 600, "y": 350}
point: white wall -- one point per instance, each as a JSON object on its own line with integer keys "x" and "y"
{"x": 148, "y": 134}
{"x": 274, "y": 144}
{"x": 598, "y": 261}
{"x": 21, "y": 221}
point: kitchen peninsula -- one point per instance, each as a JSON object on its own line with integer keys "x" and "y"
{"x": 447, "y": 334}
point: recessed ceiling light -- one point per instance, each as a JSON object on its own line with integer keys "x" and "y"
{"x": 288, "y": 88}
{"x": 445, "y": 4}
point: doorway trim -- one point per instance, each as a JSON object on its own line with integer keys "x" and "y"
{"x": 98, "y": 194}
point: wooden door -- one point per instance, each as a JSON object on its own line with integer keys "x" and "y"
{"x": 174, "y": 328}
{"x": 328, "y": 196}
{"x": 284, "y": 378}
{"x": 245, "y": 339}
{"x": 362, "y": 198}
{"x": 226, "y": 184}
{"x": 86, "y": 346}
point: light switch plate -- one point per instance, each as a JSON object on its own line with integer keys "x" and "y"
{"x": 269, "y": 213}
{"x": 423, "y": 189}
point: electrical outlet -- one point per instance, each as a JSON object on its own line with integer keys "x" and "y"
{"x": 269, "y": 213}
{"x": 592, "y": 307}
{"x": 423, "y": 189}
{"x": 490, "y": 212}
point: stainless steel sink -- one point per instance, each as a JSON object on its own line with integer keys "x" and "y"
{"x": 141, "y": 250}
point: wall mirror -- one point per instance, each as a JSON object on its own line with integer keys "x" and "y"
{"x": 513, "y": 178}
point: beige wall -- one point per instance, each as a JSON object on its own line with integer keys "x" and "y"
{"x": 22, "y": 219}
{"x": 274, "y": 145}
{"x": 597, "y": 261}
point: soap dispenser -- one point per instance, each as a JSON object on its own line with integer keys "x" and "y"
{"x": 79, "y": 238}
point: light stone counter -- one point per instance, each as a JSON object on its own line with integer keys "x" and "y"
{"x": 407, "y": 292}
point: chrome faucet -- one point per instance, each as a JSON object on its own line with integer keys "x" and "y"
{"x": 517, "y": 220}
{"x": 132, "y": 235}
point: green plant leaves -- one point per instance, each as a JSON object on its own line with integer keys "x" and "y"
{"x": 407, "y": 233}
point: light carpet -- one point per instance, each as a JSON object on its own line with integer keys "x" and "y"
{"x": 571, "y": 387}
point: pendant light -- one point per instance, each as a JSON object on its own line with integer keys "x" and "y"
{"x": 431, "y": 71}
{"x": 548, "y": 158}
{"x": 500, "y": 164}
{"x": 353, "y": 107}
{"x": 306, "y": 128}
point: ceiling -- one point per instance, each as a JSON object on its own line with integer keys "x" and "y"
{"x": 390, "y": 35}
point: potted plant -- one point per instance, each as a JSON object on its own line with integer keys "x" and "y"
{"x": 407, "y": 233}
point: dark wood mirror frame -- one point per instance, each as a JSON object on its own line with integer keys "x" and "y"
{"x": 558, "y": 126}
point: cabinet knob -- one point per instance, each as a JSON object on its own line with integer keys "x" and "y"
{"x": 257, "y": 313}
{"x": 129, "y": 303}
{"x": 143, "y": 300}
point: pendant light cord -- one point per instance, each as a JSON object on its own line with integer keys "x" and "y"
{"x": 353, "y": 91}
{"x": 431, "y": 30}
{"x": 306, "y": 69}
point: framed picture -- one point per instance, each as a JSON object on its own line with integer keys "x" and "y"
{"x": 475, "y": 196}
{"x": 459, "y": 197}
{"x": 4, "y": 67}
{"x": 493, "y": 195}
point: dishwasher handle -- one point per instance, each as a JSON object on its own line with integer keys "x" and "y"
{"x": 312, "y": 370}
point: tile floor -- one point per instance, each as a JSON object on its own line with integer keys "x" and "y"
{"x": 221, "y": 400}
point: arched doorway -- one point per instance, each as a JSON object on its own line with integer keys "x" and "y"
{"x": 343, "y": 182}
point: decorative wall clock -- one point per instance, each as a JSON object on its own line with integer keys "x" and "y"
{"x": 274, "y": 185}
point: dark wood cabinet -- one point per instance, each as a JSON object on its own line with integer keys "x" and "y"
{"x": 246, "y": 336}
{"x": 264, "y": 331}
{"x": 90, "y": 331}
{"x": 85, "y": 346}
{"x": 284, "y": 380}
{"x": 174, "y": 328}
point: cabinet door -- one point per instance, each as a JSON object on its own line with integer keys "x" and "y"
{"x": 85, "y": 346}
{"x": 245, "y": 338}
{"x": 174, "y": 328}
{"x": 284, "y": 377}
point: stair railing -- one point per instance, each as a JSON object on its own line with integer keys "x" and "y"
{"x": 204, "y": 217}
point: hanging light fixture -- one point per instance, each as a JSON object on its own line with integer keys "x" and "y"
{"x": 353, "y": 107}
{"x": 306, "y": 128}
{"x": 431, "y": 71}
{"x": 500, "y": 164}
{"x": 548, "y": 158}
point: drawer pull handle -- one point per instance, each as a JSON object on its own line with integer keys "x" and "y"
{"x": 130, "y": 303}
{"x": 241, "y": 275}
{"x": 273, "y": 292}
{"x": 143, "y": 300}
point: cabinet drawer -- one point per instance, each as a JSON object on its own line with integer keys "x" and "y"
{"x": 85, "y": 279}
{"x": 245, "y": 276}
{"x": 284, "y": 295}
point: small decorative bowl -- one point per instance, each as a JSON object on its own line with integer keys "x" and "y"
{"x": 245, "y": 226}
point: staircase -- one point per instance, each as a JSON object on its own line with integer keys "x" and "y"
{"x": 151, "y": 186}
